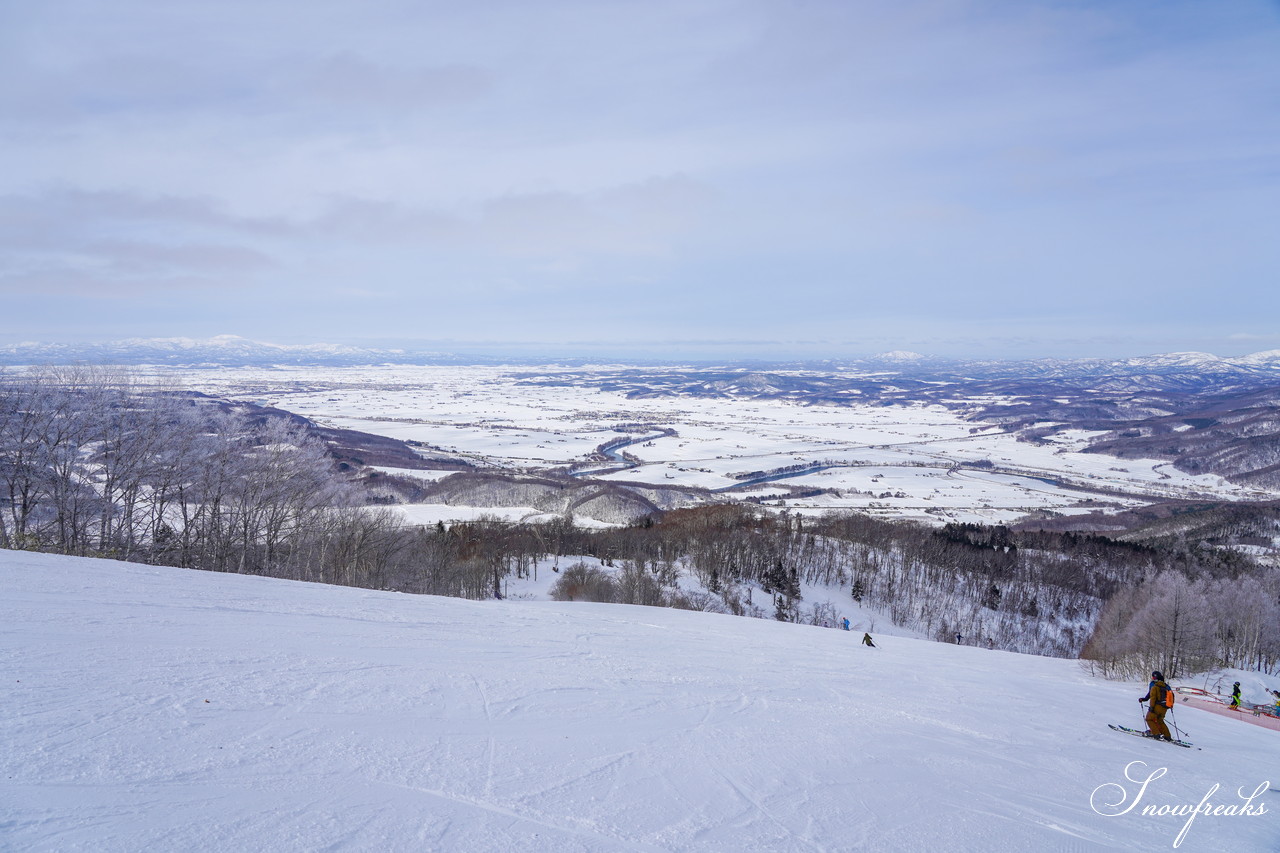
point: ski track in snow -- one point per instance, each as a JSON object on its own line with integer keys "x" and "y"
{"x": 164, "y": 709}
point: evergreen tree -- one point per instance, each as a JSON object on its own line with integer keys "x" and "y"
{"x": 858, "y": 590}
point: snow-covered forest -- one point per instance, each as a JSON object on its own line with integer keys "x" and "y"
{"x": 94, "y": 462}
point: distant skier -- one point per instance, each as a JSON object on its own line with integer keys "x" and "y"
{"x": 1235, "y": 695}
{"x": 1158, "y": 696}
{"x": 866, "y": 640}
{"x": 958, "y": 638}
{"x": 846, "y": 624}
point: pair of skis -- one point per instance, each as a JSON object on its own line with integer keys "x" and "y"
{"x": 1138, "y": 733}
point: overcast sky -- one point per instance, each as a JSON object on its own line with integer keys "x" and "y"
{"x": 722, "y": 177}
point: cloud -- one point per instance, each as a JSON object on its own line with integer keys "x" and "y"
{"x": 67, "y": 281}
{"x": 94, "y": 241}
{"x": 350, "y": 82}
{"x": 645, "y": 218}
{"x": 148, "y": 258}
{"x": 713, "y": 166}
{"x": 55, "y": 215}
{"x": 122, "y": 244}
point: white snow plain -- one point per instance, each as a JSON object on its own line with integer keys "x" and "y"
{"x": 153, "y": 708}
{"x": 896, "y": 461}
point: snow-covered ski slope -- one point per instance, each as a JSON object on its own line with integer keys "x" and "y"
{"x": 152, "y": 708}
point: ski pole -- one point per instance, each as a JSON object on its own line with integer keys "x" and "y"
{"x": 1173, "y": 719}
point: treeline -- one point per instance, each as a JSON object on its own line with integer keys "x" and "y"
{"x": 1062, "y": 594}
{"x": 1183, "y": 625}
{"x": 94, "y": 462}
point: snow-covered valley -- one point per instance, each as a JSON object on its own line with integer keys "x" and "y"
{"x": 908, "y": 460}
{"x": 159, "y": 708}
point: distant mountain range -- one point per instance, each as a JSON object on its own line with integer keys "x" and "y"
{"x": 222, "y": 350}
{"x": 1193, "y": 371}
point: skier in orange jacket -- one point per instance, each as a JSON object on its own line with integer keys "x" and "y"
{"x": 1158, "y": 698}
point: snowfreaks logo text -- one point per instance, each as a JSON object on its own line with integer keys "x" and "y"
{"x": 1112, "y": 800}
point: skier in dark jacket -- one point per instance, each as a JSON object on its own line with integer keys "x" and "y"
{"x": 1157, "y": 708}
{"x": 866, "y": 640}
{"x": 1235, "y": 695}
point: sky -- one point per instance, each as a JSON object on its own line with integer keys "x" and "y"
{"x": 750, "y": 178}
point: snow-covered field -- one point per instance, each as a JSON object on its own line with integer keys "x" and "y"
{"x": 892, "y": 460}
{"x": 162, "y": 709}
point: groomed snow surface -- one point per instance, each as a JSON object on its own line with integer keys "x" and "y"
{"x": 153, "y": 708}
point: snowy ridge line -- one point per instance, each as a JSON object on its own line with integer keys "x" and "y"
{"x": 233, "y": 350}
